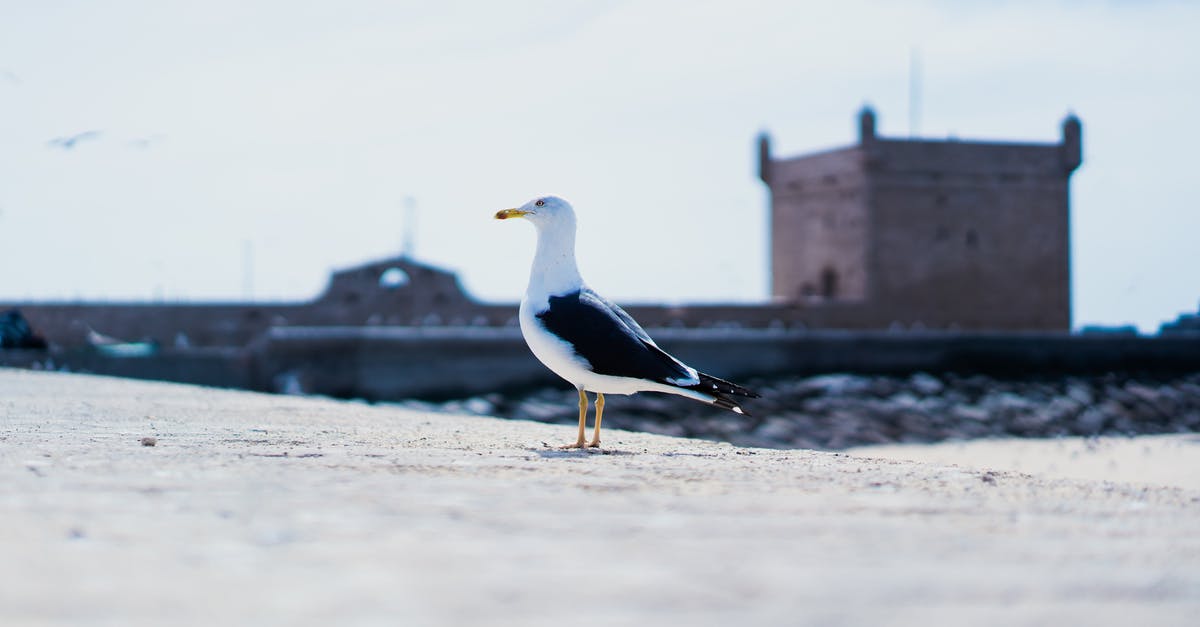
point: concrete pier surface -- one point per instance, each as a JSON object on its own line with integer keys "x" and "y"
{"x": 270, "y": 510}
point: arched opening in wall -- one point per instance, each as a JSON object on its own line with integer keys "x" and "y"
{"x": 829, "y": 283}
{"x": 393, "y": 278}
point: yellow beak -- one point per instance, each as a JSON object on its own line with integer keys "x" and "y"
{"x": 510, "y": 213}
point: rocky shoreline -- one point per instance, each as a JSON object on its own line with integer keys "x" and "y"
{"x": 838, "y": 411}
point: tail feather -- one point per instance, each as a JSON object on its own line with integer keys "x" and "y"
{"x": 721, "y": 390}
{"x": 713, "y": 385}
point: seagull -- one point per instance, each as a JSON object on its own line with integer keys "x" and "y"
{"x": 68, "y": 142}
{"x": 589, "y": 341}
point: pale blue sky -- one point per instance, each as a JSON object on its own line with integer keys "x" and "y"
{"x": 301, "y": 127}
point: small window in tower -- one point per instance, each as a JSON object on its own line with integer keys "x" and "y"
{"x": 829, "y": 283}
{"x": 972, "y": 239}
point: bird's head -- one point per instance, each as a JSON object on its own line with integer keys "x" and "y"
{"x": 542, "y": 211}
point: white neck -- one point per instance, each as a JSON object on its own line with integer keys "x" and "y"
{"x": 554, "y": 270}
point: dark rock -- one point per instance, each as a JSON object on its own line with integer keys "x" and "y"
{"x": 925, "y": 384}
{"x": 841, "y": 410}
{"x": 15, "y": 332}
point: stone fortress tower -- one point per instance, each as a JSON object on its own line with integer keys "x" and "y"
{"x": 925, "y": 233}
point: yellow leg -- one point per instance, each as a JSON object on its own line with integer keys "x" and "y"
{"x": 599, "y": 415}
{"x": 583, "y": 405}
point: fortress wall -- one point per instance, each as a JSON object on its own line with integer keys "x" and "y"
{"x": 401, "y": 362}
{"x": 972, "y": 251}
{"x": 820, "y": 229}
{"x": 427, "y": 296}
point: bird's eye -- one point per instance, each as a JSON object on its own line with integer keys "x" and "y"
{"x": 540, "y": 203}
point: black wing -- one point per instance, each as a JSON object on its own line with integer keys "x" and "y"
{"x": 608, "y": 338}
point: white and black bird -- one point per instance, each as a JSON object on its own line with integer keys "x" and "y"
{"x": 589, "y": 341}
{"x": 68, "y": 142}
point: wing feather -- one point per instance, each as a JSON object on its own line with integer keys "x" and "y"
{"x": 609, "y": 339}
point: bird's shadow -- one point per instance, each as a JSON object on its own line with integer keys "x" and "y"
{"x": 552, "y": 452}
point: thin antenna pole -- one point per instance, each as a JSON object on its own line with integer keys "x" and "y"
{"x": 408, "y": 244}
{"x": 914, "y": 91}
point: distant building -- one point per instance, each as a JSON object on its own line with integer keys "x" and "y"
{"x": 1186, "y": 323}
{"x": 396, "y": 291}
{"x": 924, "y": 233}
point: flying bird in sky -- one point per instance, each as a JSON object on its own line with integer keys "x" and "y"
{"x": 589, "y": 341}
{"x": 147, "y": 141}
{"x": 68, "y": 142}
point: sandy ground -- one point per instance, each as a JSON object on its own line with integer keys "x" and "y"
{"x": 267, "y": 510}
{"x": 1152, "y": 460}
